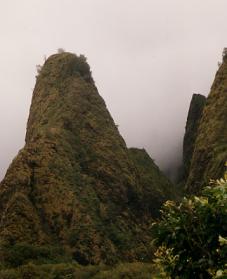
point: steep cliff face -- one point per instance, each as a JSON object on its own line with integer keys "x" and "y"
{"x": 210, "y": 152}
{"x": 156, "y": 188}
{"x": 194, "y": 115}
{"x": 74, "y": 184}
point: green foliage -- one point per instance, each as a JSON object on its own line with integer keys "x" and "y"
{"x": 193, "y": 235}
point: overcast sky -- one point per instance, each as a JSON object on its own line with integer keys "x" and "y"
{"x": 147, "y": 59}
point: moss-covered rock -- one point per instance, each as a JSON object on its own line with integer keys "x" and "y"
{"x": 210, "y": 151}
{"x": 75, "y": 185}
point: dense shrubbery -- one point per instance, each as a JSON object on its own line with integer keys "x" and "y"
{"x": 192, "y": 236}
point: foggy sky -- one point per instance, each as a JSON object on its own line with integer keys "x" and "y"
{"x": 147, "y": 57}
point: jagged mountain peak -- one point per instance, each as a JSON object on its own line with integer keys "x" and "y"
{"x": 75, "y": 185}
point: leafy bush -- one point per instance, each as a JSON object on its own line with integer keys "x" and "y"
{"x": 193, "y": 235}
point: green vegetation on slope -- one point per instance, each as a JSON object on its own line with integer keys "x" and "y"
{"x": 74, "y": 187}
{"x": 194, "y": 116}
{"x": 155, "y": 187}
{"x": 210, "y": 150}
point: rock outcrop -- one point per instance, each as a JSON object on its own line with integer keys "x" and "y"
{"x": 210, "y": 151}
{"x": 194, "y": 115}
{"x": 155, "y": 186}
{"x": 75, "y": 185}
